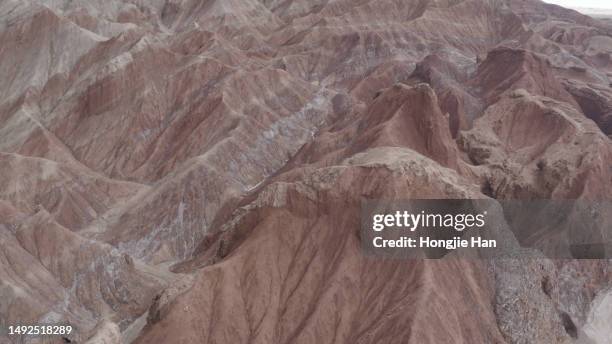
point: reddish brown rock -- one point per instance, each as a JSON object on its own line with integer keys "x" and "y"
{"x": 506, "y": 69}
{"x": 192, "y": 171}
{"x": 296, "y": 252}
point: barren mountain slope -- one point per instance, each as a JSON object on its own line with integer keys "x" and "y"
{"x": 181, "y": 171}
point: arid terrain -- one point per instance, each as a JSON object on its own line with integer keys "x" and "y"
{"x": 191, "y": 171}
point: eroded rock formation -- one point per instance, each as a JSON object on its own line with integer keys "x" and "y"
{"x": 181, "y": 171}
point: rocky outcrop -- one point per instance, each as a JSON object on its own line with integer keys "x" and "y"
{"x": 310, "y": 282}
{"x": 507, "y": 69}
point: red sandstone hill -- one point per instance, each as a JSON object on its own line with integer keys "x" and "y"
{"x": 181, "y": 171}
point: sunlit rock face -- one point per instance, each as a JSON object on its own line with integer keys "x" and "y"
{"x": 181, "y": 171}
